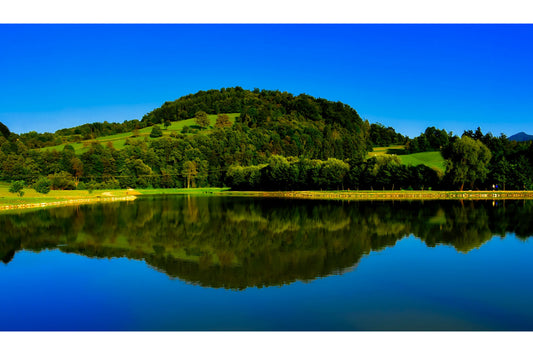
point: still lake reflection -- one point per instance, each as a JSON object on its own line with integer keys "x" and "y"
{"x": 222, "y": 263}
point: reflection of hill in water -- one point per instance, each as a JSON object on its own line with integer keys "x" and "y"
{"x": 238, "y": 243}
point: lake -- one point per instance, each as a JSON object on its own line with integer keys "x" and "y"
{"x": 235, "y": 263}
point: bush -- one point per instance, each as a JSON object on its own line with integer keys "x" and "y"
{"x": 42, "y": 185}
{"x": 156, "y": 132}
{"x": 62, "y": 181}
{"x": 16, "y": 187}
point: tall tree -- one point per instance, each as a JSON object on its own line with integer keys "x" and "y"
{"x": 189, "y": 171}
{"x": 467, "y": 161}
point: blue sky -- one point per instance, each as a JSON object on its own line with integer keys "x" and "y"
{"x": 410, "y": 77}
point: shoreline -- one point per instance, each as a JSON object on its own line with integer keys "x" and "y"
{"x": 344, "y": 195}
{"x": 402, "y": 195}
{"x": 72, "y": 202}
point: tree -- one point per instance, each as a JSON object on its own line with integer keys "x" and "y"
{"x": 278, "y": 171}
{"x": 167, "y": 124}
{"x": 16, "y": 187}
{"x": 467, "y": 161}
{"x": 501, "y": 172}
{"x": 42, "y": 185}
{"x": 156, "y": 132}
{"x": 222, "y": 121}
{"x": 189, "y": 171}
{"x": 62, "y": 181}
{"x": 333, "y": 172}
{"x": 201, "y": 119}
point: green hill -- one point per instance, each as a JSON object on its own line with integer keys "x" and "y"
{"x": 276, "y": 141}
{"x": 119, "y": 140}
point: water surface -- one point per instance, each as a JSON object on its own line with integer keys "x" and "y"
{"x": 213, "y": 263}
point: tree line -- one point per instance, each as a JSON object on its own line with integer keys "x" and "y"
{"x": 278, "y": 142}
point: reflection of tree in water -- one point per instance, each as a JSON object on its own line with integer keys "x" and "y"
{"x": 240, "y": 242}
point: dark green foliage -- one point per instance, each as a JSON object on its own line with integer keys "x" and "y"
{"x": 279, "y": 141}
{"x": 189, "y": 172}
{"x": 62, "y": 181}
{"x": 467, "y": 161}
{"x": 42, "y": 185}
{"x": 257, "y": 108}
{"x": 384, "y": 137}
{"x": 16, "y": 187}
{"x": 432, "y": 139}
{"x": 4, "y": 131}
{"x": 156, "y": 132}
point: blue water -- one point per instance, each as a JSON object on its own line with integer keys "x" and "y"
{"x": 403, "y": 286}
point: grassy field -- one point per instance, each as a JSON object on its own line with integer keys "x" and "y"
{"x": 432, "y": 159}
{"x": 31, "y": 197}
{"x": 118, "y": 140}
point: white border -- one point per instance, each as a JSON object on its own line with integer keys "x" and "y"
{"x": 272, "y": 11}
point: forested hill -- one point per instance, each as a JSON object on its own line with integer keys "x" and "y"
{"x": 272, "y": 140}
{"x": 258, "y": 140}
{"x": 258, "y": 108}
{"x": 254, "y": 109}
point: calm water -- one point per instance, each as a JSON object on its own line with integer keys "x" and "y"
{"x": 210, "y": 263}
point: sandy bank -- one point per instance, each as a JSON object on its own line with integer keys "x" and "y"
{"x": 80, "y": 201}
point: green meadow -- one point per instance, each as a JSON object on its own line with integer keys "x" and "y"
{"x": 119, "y": 140}
{"x": 432, "y": 159}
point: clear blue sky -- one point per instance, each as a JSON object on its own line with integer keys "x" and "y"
{"x": 410, "y": 77}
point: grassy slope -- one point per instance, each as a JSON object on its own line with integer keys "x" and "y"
{"x": 432, "y": 159}
{"x": 118, "y": 140}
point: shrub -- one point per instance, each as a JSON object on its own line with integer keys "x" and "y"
{"x": 62, "y": 181}
{"x": 16, "y": 187}
{"x": 156, "y": 132}
{"x": 42, "y": 185}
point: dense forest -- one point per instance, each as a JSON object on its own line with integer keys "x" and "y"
{"x": 278, "y": 141}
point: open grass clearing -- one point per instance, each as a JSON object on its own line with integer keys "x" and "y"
{"x": 118, "y": 140}
{"x": 393, "y": 149}
{"x": 432, "y": 159}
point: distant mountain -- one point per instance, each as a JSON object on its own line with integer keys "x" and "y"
{"x": 521, "y": 137}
